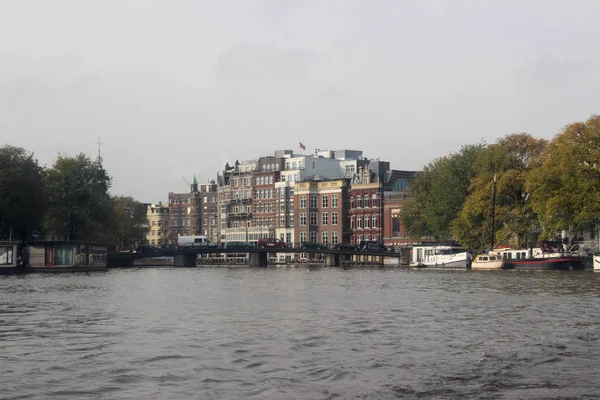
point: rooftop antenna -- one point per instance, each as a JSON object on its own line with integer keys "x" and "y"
{"x": 99, "y": 158}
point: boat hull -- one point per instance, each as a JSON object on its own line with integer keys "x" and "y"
{"x": 559, "y": 263}
{"x": 75, "y": 268}
{"x": 488, "y": 265}
{"x": 458, "y": 264}
{"x": 597, "y": 263}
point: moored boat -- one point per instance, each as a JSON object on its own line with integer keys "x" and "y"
{"x": 440, "y": 257}
{"x": 66, "y": 256}
{"x": 487, "y": 261}
{"x": 596, "y": 258}
{"x": 541, "y": 259}
{"x": 9, "y": 260}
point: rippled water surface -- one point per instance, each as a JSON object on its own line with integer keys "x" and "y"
{"x": 300, "y": 333}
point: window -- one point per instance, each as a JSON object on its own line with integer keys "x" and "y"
{"x": 325, "y": 201}
{"x": 313, "y": 236}
{"x": 303, "y": 236}
{"x": 6, "y": 255}
{"x": 334, "y": 200}
{"x": 302, "y": 201}
{"x": 358, "y": 238}
{"x": 324, "y": 238}
{"x": 374, "y": 237}
{"x": 324, "y": 218}
{"x": 282, "y": 220}
{"x": 374, "y": 220}
{"x": 313, "y": 201}
{"x": 358, "y": 222}
{"x": 358, "y": 201}
{"x": 334, "y": 237}
{"x": 313, "y": 219}
{"x": 334, "y": 218}
{"x": 351, "y": 222}
{"x": 302, "y": 219}
{"x": 366, "y": 221}
{"x": 366, "y": 201}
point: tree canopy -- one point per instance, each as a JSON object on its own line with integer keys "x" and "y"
{"x": 510, "y": 159}
{"x": 22, "y": 201}
{"x": 79, "y": 206}
{"x": 565, "y": 187}
{"x": 439, "y": 193}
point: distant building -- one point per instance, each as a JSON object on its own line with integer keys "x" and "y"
{"x": 366, "y": 207}
{"x": 321, "y": 208}
{"x": 396, "y": 196}
{"x": 158, "y": 233}
{"x": 209, "y": 214}
{"x": 184, "y": 212}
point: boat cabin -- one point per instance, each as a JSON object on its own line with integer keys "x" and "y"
{"x": 66, "y": 254}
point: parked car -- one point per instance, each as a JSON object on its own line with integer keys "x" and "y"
{"x": 238, "y": 245}
{"x": 146, "y": 249}
{"x": 372, "y": 246}
{"x": 313, "y": 245}
{"x": 270, "y": 243}
{"x": 346, "y": 247}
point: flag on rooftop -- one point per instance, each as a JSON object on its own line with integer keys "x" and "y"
{"x": 303, "y": 147}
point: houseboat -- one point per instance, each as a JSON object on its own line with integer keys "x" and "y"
{"x": 596, "y": 258}
{"x": 9, "y": 261}
{"x": 540, "y": 259}
{"x": 66, "y": 256}
{"x": 440, "y": 257}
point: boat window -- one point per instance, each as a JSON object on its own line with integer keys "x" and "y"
{"x": 484, "y": 258}
{"x": 492, "y": 258}
{"x": 6, "y": 255}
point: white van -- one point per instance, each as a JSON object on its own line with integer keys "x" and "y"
{"x": 194, "y": 241}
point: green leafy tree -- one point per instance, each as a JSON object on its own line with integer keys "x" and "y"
{"x": 439, "y": 193}
{"x": 79, "y": 206}
{"x": 511, "y": 159}
{"x": 22, "y": 201}
{"x": 566, "y": 186}
{"x": 130, "y": 223}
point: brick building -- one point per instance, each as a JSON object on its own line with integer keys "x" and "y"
{"x": 321, "y": 210}
{"x": 184, "y": 212}
{"x": 396, "y": 195}
{"x": 366, "y": 207}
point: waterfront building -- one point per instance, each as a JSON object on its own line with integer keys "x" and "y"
{"x": 365, "y": 198}
{"x": 234, "y": 202}
{"x": 322, "y": 165}
{"x": 396, "y": 196}
{"x": 321, "y": 208}
{"x": 184, "y": 212}
{"x": 209, "y": 211}
{"x": 264, "y": 178}
{"x": 158, "y": 217}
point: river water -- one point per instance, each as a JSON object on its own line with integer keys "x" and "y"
{"x": 300, "y": 333}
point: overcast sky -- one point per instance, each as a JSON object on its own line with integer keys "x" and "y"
{"x": 176, "y": 88}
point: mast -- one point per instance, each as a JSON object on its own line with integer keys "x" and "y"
{"x": 493, "y": 212}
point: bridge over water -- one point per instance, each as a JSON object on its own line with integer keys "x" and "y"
{"x": 257, "y": 257}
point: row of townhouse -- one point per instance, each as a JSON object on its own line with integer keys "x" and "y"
{"x": 329, "y": 197}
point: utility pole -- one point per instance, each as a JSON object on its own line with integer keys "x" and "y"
{"x": 493, "y": 212}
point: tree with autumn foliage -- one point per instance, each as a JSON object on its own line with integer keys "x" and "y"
{"x": 439, "y": 193}
{"x": 565, "y": 187}
{"x": 511, "y": 159}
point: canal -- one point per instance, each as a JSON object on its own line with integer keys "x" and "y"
{"x": 299, "y": 333}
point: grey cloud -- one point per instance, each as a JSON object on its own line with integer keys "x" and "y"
{"x": 250, "y": 61}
